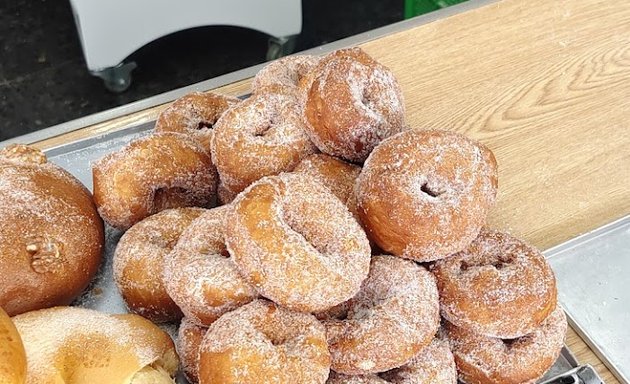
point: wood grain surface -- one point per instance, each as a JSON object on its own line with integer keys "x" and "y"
{"x": 545, "y": 84}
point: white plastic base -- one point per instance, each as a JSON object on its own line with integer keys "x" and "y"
{"x": 111, "y": 30}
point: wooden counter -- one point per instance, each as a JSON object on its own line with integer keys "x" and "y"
{"x": 545, "y": 84}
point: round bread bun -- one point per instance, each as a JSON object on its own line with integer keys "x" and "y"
{"x": 487, "y": 360}
{"x": 425, "y": 195}
{"x": 296, "y": 243}
{"x": 195, "y": 115}
{"x": 139, "y": 262}
{"x": 95, "y": 348}
{"x": 499, "y": 286}
{"x": 12, "y": 355}
{"x": 51, "y": 238}
{"x": 151, "y": 174}
{"x": 263, "y": 343}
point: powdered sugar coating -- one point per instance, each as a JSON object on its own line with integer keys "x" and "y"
{"x": 51, "y": 238}
{"x": 338, "y": 378}
{"x": 161, "y": 171}
{"x": 499, "y": 286}
{"x": 195, "y": 115}
{"x": 262, "y": 136}
{"x": 200, "y": 275}
{"x": 75, "y": 342}
{"x": 139, "y": 262}
{"x": 297, "y": 243}
{"x": 284, "y": 73}
{"x": 262, "y": 342}
{"x": 424, "y": 195}
{"x": 486, "y": 360}
{"x": 224, "y": 194}
{"x": 394, "y": 316}
{"x": 434, "y": 364}
{"x": 189, "y": 338}
{"x": 352, "y": 104}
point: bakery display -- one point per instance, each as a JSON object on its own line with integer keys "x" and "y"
{"x": 51, "y": 238}
{"x": 13, "y": 357}
{"x": 95, "y": 348}
{"x": 440, "y": 184}
{"x": 195, "y": 114}
{"x": 139, "y": 263}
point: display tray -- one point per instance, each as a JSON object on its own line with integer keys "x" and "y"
{"x": 103, "y": 295}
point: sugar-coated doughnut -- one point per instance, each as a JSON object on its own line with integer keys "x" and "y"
{"x": 294, "y": 241}
{"x": 424, "y": 195}
{"x": 189, "y": 340}
{"x": 334, "y": 174}
{"x": 51, "y": 238}
{"x": 139, "y": 262}
{"x": 486, "y": 360}
{"x": 199, "y": 273}
{"x": 263, "y": 342}
{"x": 433, "y": 365}
{"x": 95, "y": 348}
{"x": 195, "y": 115}
{"x": 338, "y": 378}
{"x": 286, "y": 73}
{"x": 499, "y": 286}
{"x": 158, "y": 172}
{"x": 12, "y": 355}
{"x": 264, "y": 135}
{"x": 353, "y": 103}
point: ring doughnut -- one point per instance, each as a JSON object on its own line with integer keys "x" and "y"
{"x": 158, "y": 172}
{"x": 189, "y": 340}
{"x": 139, "y": 262}
{"x": 335, "y": 174}
{"x": 398, "y": 301}
{"x": 499, "y": 286}
{"x": 486, "y": 360}
{"x": 264, "y": 135}
{"x": 95, "y": 348}
{"x": 286, "y": 73}
{"x": 51, "y": 237}
{"x": 195, "y": 115}
{"x": 199, "y": 274}
{"x": 294, "y": 241}
{"x": 424, "y": 195}
{"x": 262, "y": 342}
{"x": 434, "y": 364}
{"x": 352, "y": 104}
{"x": 13, "y": 361}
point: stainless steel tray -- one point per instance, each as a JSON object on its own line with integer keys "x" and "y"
{"x": 594, "y": 289}
{"x": 103, "y": 295}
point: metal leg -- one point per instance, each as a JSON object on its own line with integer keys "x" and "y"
{"x": 117, "y": 79}
{"x": 280, "y": 46}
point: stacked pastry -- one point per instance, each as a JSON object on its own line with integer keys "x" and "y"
{"x": 346, "y": 247}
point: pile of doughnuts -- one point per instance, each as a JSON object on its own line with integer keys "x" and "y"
{"x": 305, "y": 235}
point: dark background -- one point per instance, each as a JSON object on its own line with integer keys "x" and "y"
{"x": 44, "y": 80}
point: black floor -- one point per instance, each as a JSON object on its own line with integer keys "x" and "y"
{"x": 44, "y": 81}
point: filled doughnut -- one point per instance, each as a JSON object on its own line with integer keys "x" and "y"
{"x": 51, "y": 238}
{"x": 424, "y": 195}
{"x": 487, "y": 360}
{"x": 499, "y": 286}
{"x": 263, "y": 342}
{"x": 195, "y": 115}
{"x": 296, "y": 243}
{"x": 199, "y": 273}
{"x": 95, "y": 348}
{"x": 158, "y": 172}
{"x": 338, "y": 378}
{"x": 264, "y": 135}
{"x": 189, "y": 340}
{"x": 394, "y": 316}
{"x": 433, "y": 365}
{"x": 12, "y": 356}
{"x": 139, "y": 262}
{"x": 334, "y": 174}
{"x": 352, "y": 104}
{"x": 286, "y": 73}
